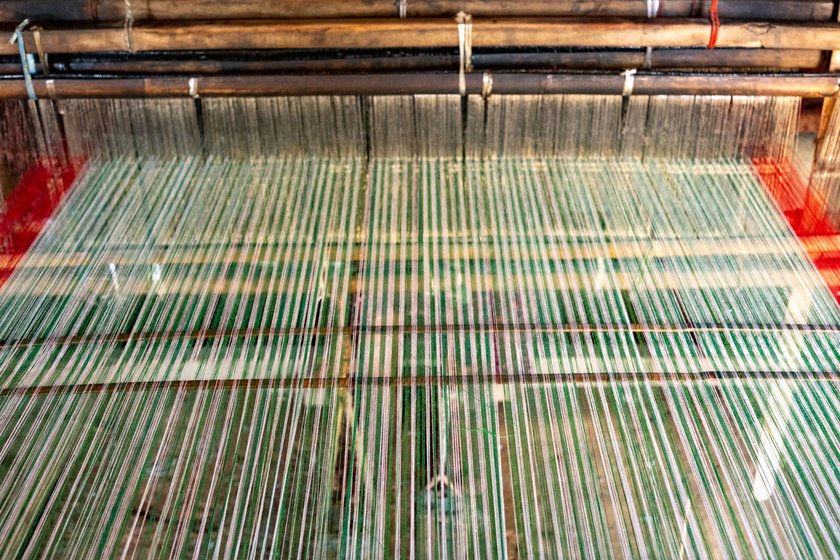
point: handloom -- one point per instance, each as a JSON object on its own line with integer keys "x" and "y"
{"x": 394, "y": 324}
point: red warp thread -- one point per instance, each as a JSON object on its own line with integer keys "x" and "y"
{"x": 28, "y": 208}
{"x": 715, "y": 19}
{"x": 805, "y": 213}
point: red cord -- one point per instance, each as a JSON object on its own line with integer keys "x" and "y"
{"x": 715, "y": 19}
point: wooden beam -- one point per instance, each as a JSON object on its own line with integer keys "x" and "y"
{"x": 409, "y": 329}
{"x": 418, "y": 33}
{"x": 823, "y": 246}
{"x": 795, "y": 85}
{"x": 660, "y": 59}
{"x": 384, "y": 61}
{"x": 151, "y": 10}
{"x": 55, "y": 283}
{"x": 318, "y": 380}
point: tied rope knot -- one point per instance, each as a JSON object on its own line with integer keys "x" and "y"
{"x": 629, "y": 82}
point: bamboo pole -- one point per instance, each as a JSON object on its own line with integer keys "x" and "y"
{"x": 429, "y": 33}
{"x": 794, "y": 85}
{"x": 151, "y": 10}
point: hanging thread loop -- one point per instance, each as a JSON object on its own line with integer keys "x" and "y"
{"x": 464, "y": 49}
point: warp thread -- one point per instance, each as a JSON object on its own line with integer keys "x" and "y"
{"x": 402, "y": 8}
{"x": 714, "y": 17}
{"x": 653, "y": 8}
{"x": 39, "y": 48}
